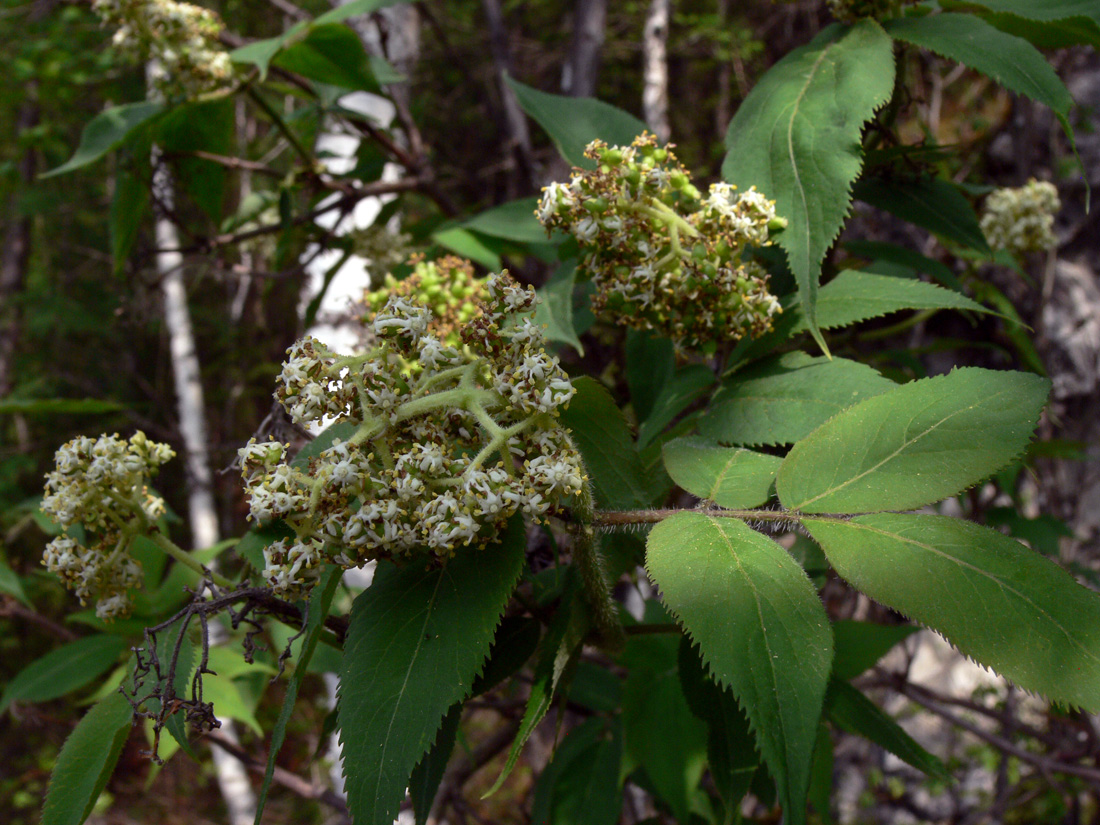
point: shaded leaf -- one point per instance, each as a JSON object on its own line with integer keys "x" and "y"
{"x": 731, "y": 477}
{"x": 10, "y": 585}
{"x": 580, "y": 786}
{"x": 86, "y": 761}
{"x": 106, "y": 131}
{"x": 851, "y": 711}
{"x": 650, "y": 365}
{"x": 857, "y": 295}
{"x": 574, "y": 122}
{"x": 796, "y": 137}
{"x": 330, "y": 53}
{"x": 513, "y": 221}
{"x": 1009, "y": 60}
{"x": 934, "y": 204}
{"x": 783, "y": 399}
{"x": 426, "y": 776}
{"x": 1052, "y": 24}
{"x": 908, "y": 258}
{"x": 761, "y": 629}
{"x": 600, "y": 431}
{"x": 319, "y": 601}
{"x": 416, "y": 640}
{"x": 995, "y": 600}
{"x": 859, "y": 645}
{"x": 915, "y": 445}
{"x": 686, "y": 386}
{"x": 554, "y": 311}
{"x": 63, "y": 670}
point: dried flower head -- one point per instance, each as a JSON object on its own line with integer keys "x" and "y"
{"x": 182, "y": 38}
{"x": 1022, "y": 219}
{"x": 662, "y": 255}
{"x": 447, "y": 442}
{"x": 102, "y": 485}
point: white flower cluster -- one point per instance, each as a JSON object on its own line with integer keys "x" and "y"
{"x": 663, "y": 256}
{"x": 1022, "y": 219}
{"x": 450, "y": 442}
{"x": 181, "y": 37}
{"x": 101, "y": 484}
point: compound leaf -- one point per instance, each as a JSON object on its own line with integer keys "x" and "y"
{"x": 761, "y": 629}
{"x": 796, "y": 138}
{"x": 995, "y": 600}
{"x": 915, "y": 445}
{"x": 416, "y": 641}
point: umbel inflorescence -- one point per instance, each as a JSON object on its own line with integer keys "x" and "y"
{"x": 1022, "y": 219}
{"x": 448, "y": 442}
{"x": 102, "y": 484}
{"x": 182, "y": 38}
{"x": 662, "y": 256}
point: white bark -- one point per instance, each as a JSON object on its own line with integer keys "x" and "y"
{"x": 655, "y": 69}
{"x": 233, "y": 779}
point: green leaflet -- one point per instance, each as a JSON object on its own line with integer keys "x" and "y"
{"x": 856, "y": 295}
{"x": 86, "y": 761}
{"x": 915, "y": 445}
{"x": 416, "y": 640}
{"x": 851, "y": 711}
{"x": 319, "y": 602}
{"x": 601, "y": 433}
{"x": 784, "y": 398}
{"x": 478, "y": 248}
{"x": 731, "y": 477}
{"x": 1010, "y": 60}
{"x": 997, "y": 601}
{"x": 796, "y": 138}
{"x": 762, "y": 631}
{"x": 937, "y": 205}
{"x": 574, "y": 122}
{"x": 107, "y": 131}
{"x": 63, "y": 670}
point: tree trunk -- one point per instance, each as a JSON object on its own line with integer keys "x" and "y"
{"x": 582, "y": 66}
{"x": 655, "y": 69}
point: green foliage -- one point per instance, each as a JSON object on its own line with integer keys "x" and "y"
{"x": 86, "y": 761}
{"x": 915, "y": 445}
{"x": 63, "y": 670}
{"x": 740, "y": 679}
{"x": 439, "y": 623}
{"x": 1027, "y": 619}
{"x": 795, "y": 138}
{"x": 761, "y": 629}
{"x": 784, "y": 398}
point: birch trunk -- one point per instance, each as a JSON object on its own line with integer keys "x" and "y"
{"x": 655, "y": 69}
{"x": 233, "y": 779}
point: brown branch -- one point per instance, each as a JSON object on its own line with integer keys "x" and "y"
{"x": 287, "y": 779}
{"x": 1044, "y": 764}
{"x": 10, "y": 608}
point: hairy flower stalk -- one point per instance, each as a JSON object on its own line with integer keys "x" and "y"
{"x": 1022, "y": 219}
{"x": 102, "y": 484}
{"x": 449, "y": 442}
{"x": 180, "y": 37}
{"x": 662, "y": 255}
